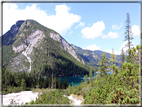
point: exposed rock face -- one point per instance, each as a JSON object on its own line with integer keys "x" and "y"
{"x": 54, "y": 36}
{"x": 91, "y": 55}
{"x": 33, "y": 36}
{"x": 19, "y": 63}
{"x": 69, "y": 48}
{"x": 65, "y": 45}
{"x": 20, "y": 48}
{"x": 86, "y": 54}
{"x": 32, "y": 40}
{"x": 94, "y": 55}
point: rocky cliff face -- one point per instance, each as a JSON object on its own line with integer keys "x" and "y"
{"x": 91, "y": 55}
{"x": 26, "y": 48}
{"x": 65, "y": 45}
{"x": 31, "y": 41}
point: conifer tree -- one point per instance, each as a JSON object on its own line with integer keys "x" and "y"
{"x": 23, "y": 84}
{"x": 103, "y": 65}
{"x": 112, "y": 60}
{"x": 90, "y": 74}
{"x": 128, "y": 37}
{"x": 122, "y": 58}
{"x": 86, "y": 78}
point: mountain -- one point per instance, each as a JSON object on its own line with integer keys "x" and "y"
{"x": 92, "y": 57}
{"x": 30, "y": 47}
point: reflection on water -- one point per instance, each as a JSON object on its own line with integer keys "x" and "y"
{"x": 77, "y": 79}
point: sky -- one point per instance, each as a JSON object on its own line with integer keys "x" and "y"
{"x": 92, "y": 26}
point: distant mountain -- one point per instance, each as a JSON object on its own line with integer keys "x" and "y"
{"x": 30, "y": 47}
{"x": 92, "y": 57}
{"x": 108, "y": 55}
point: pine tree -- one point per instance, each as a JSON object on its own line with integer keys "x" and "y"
{"x": 17, "y": 79}
{"x": 135, "y": 52}
{"x": 103, "y": 65}
{"x": 59, "y": 83}
{"x": 86, "y": 78}
{"x": 112, "y": 60}
{"x": 23, "y": 84}
{"x": 128, "y": 37}
{"x": 54, "y": 83}
{"x": 90, "y": 74}
{"x": 122, "y": 58}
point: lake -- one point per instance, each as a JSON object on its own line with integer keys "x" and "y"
{"x": 77, "y": 79}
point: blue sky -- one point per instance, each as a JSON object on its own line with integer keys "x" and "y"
{"x": 93, "y": 26}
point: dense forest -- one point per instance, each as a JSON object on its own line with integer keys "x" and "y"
{"x": 15, "y": 82}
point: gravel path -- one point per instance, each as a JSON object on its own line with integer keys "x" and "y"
{"x": 76, "y": 102}
{"x": 19, "y": 98}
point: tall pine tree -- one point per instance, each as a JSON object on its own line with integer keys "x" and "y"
{"x": 128, "y": 37}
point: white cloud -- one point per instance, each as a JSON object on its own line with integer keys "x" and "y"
{"x": 135, "y": 30}
{"x": 81, "y": 24}
{"x": 112, "y": 35}
{"x": 94, "y": 31}
{"x": 114, "y": 27}
{"x": 124, "y": 46}
{"x": 110, "y": 51}
{"x": 60, "y": 22}
{"x": 92, "y": 47}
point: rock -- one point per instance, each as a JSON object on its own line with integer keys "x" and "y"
{"x": 33, "y": 36}
{"x": 33, "y": 40}
{"x": 65, "y": 45}
{"x": 54, "y": 36}
{"x": 20, "y": 48}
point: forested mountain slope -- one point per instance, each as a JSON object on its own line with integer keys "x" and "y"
{"x": 30, "y": 47}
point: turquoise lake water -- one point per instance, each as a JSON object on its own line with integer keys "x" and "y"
{"x": 77, "y": 79}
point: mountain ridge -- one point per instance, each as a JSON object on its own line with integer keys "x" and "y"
{"x": 92, "y": 57}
